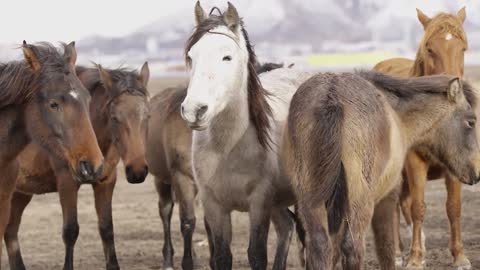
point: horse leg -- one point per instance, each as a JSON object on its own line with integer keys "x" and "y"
{"x": 19, "y": 202}
{"x": 210, "y": 243}
{"x": 416, "y": 170}
{"x": 68, "y": 192}
{"x": 300, "y": 237}
{"x": 220, "y": 224}
{"x": 165, "y": 209}
{"x": 186, "y": 191}
{"x": 454, "y": 209}
{"x": 319, "y": 252}
{"x": 383, "y": 229}
{"x": 7, "y": 185}
{"x": 283, "y": 221}
{"x": 404, "y": 205}
{"x": 103, "y": 193}
{"x": 353, "y": 242}
{"x": 257, "y": 246}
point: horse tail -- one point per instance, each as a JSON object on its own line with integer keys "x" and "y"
{"x": 318, "y": 165}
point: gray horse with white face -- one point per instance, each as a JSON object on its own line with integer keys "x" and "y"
{"x": 237, "y": 126}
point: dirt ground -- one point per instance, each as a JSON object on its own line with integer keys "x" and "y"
{"x": 139, "y": 234}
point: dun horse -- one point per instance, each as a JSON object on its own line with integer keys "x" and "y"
{"x": 169, "y": 158}
{"x": 235, "y": 138}
{"x": 344, "y": 146}
{"x": 441, "y": 51}
{"x": 43, "y": 102}
{"x": 118, "y": 111}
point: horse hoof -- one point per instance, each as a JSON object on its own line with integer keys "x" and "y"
{"x": 414, "y": 265}
{"x": 399, "y": 261}
{"x": 168, "y": 268}
{"x": 463, "y": 264}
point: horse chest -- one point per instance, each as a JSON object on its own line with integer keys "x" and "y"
{"x": 235, "y": 178}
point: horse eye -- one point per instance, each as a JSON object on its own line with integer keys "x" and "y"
{"x": 430, "y": 51}
{"x": 54, "y": 105}
{"x": 227, "y": 58}
{"x": 471, "y": 123}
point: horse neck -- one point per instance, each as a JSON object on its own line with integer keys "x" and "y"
{"x": 99, "y": 115}
{"x": 419, "y": 116}
{"x": 230, "y": 124}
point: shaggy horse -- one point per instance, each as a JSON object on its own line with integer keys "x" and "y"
{"x": 344, "y": 147}
{"x": 169, "y": 158}
{"x": 236, "y": 134}
{"x": 43, "y": 102}
{"x": 441, "y": 51}
{"x": 118, "y": 110}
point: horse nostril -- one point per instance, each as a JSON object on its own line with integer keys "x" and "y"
{"x": 86, "y": 168}
{"x": 182, "y": 109}
{"x": 201, "y": 111}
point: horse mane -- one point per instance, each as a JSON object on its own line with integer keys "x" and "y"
{"x": 406, "y": 88}
{"x": 18, "y": 83}
{"x": 442, "y": 23}
{"x": 259, "y": 109}
{"x": 125, "y": 80}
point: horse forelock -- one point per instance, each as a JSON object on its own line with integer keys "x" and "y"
{"x": 260, "y": 111}
{"x": 440, "y": 25}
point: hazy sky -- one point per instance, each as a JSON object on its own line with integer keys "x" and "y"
{"x": 66, "y": 20}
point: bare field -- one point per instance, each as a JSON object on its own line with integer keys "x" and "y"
{"x": 139, "y": 234}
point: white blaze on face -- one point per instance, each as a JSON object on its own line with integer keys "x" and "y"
{"x": 219, "y": 67}
{"x": 448, "y": 36}
{"x": 74, "y": 94}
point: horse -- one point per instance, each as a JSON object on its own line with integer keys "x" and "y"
{"x": 344, "y": 147}
{"x": 118, "y": 111}
{"x": 43, "y": 102}
{"x": 235, "y": 124}
{"x": 441, "y": 51}
{"x": 169, "y": 159}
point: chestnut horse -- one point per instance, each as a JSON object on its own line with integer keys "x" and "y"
{"x": 43, "y": 102}
{"x": 441, "y": 51}
{"x": 169, "y": 159}
{"x": 118, "y": 112}
{"x": 344, "y": 146}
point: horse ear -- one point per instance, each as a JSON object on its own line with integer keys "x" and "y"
{"x": 199, "y": 14}
{"x": 145, "y": 74}
{"x": 105, "y": 77}
{"x": 454, "y": 91}
{"x": 30, "y": 57}
{"x": 424, "y": 19}
{"x": 231, "y": 17}
{"x": 71, "y": 54}
{"x": 462, "y": 14}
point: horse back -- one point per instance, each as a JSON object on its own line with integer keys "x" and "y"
{"x": 400, "y": 67}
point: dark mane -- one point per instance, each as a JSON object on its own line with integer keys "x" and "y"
{"x": 405, "y": 88}
{"x": 126, "y": 81}
{"x": 259, "y": 109}
{"x": 18, "y": 83}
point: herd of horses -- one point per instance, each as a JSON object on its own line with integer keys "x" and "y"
{"x": 347, "y": 150}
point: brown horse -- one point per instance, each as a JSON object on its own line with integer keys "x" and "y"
{"x": 43, "y": 102}
{"x": 441, "y": 51}
{"x": 169, "y": 159}
{"x": 344, "y": 147}
{"x": 118, "y": 112}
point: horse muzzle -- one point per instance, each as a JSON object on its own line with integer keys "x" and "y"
{"x": 136, "y": 176}
{"x": 86, "y": 173}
